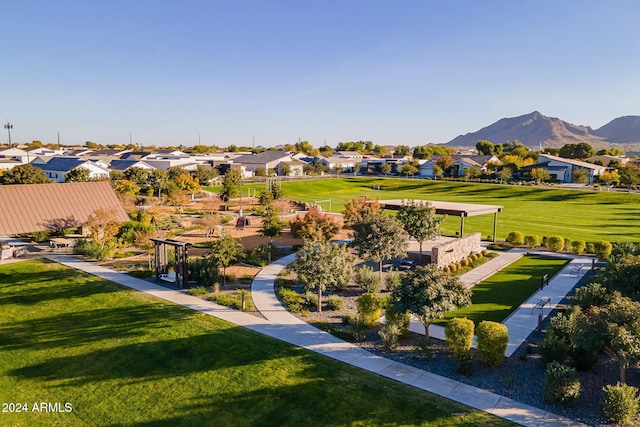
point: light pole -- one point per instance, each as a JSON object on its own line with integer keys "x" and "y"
{"x": 8, "y": 126}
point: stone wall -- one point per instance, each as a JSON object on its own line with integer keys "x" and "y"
{"x": 455, "y": 250}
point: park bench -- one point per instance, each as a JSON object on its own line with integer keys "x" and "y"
{"x": 541, "y": 303}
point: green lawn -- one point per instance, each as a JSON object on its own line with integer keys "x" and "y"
{"x": 120, "y": 357}
{"x": 498, "y": 296}
{"x": 578, "y": 214}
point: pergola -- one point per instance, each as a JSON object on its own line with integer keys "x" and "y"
{"x": 161, "y": 258}
{"x": 462, "y": 210}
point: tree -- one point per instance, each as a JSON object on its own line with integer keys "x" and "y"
{"x": 186, "y": 182}
{"x": 124, "y": 187}
{"x": 315, "y": 225}
{"x": 271, "y": 223}
{"x": 260, "y": 171}
{"x": 175, "y": 171}
{"x": 24, "y": 174}
{"x": 505, "y": 174}
{"x": 77, "y": 175}
{"x": 444, "y": 162}
{"x": 609, "y": 177}
{"x": 420, "y": 221}
{"x": 629, "y": 176}
{"x": 472, "y": 172}
{"x": 320, "y": 265}
{"x": 485, "y": 148}
{"x": 285, "y": 169}
{"x": 209, "y": 222}
{"x": 580, "y": 176}
{"x": 402, "y": 150}
{"x": 540, "y": 175}
{"x": 623, "y": 318}
{"x": 230, "y": 183}
{"x": 358, "y": 208}
{"x": 408, "y": 170}
{"x": 137, "y": 175}
{"x": 225, "y": 251}
{"x": 205, "y": 174}
{"x": 576, "y": 151}
{"x": 428, "y": 293}
{"x": 385, "y": 168}
{"x": 379, "y": 237}
{"x": 103, "y": 225}
{"x": 159, "y": 180}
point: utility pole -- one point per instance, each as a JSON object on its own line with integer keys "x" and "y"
{"x": 8, "y": 126}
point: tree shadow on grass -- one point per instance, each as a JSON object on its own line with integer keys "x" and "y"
{"x": 157, "y": 359}
{"x": 34, "y": 289}
{"x": 82, "y": 327}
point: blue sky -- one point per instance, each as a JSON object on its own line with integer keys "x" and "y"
{"x": 236, "y": 71}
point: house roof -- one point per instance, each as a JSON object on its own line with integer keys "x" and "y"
{"x": 571, "y": 162}
{"x": 121, "y": 165}
{"x": 61, "y": 164}
{"x": 28, "y": 208}
{"x": 262, "y": 158}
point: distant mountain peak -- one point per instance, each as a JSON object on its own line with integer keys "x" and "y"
{"x": 535, "y": 129}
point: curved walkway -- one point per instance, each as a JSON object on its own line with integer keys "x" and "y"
{"x": 286, "y": 327}
{"x": 266, "y": 301}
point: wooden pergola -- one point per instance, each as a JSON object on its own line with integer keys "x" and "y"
{"x": 462, "y": 210}
{"x": 161, "y": 261}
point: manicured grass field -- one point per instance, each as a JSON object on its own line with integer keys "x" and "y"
{"x": 578, "y": 214}
{"x": 498, "y": 296}
{"x": 120, "y": 357}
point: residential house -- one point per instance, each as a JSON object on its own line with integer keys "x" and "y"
{"x": 123, "y": 165}
{"x": 269, "y": 160}
{"x": 460, "y": 164}
{"x": 561, "y": 169}
{"x": 57, "y": 167}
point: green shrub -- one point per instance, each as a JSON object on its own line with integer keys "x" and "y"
{"x": 392, "y": 280}
{"x": 561, "y": 384}
{"x": 402, "y": 320}
{"x": 555, "y": 243}
{"x": 234, "y": 300}
{"x": 591, "y": 295}
{"x": 349, "y": 318}
{"x": 291, "y": 299}
{"x": 367, "y": 279}
{"x": 493, "y": 338}
{"x": 225, "y": 219}
{"x": 369, "y": 309}
{"x": 485, "y": 252}
{"x": 310, "y": 299}
{"x": 390, "y": 336}
{"x": 198, "y": 291}
{"x": 458, "y": 266}
{"x": 465, "y": 262}
{"x": 621, "y": 403}
{"x": 459, "y": 335}
{"x": 246, "y": 279}
{"x": 602, "y": 249}
{"x": 553, "y": 348}
{"x": 562, "y": 325}
{"x": 545, "y": 241}
{"x": 95, "y": 250}
{"x": 532, "y": 241}
{"x": 589, "y": 248}
{"x": 203, "y": 271}
{"x": 515, "y": 238}
{"x": 453, "y": 268}
{"x": 578, "y": 246}
{"x": 567, "y": 244}
{"x": 423, "y": 348}
{"x": 334, "y": 302}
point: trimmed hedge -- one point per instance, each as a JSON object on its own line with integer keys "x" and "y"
{"x": 493, "y": 338}
{"x": 459, "y": 335}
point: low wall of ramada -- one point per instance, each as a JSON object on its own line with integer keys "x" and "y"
{"x": 455, "y": 250}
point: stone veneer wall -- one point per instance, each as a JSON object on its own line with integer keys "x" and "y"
{"x": 455, "y": 250}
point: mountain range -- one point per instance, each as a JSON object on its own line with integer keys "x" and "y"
{"x": 536, "y": 129}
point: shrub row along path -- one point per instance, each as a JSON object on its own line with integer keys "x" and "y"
{"x": 282, "y": 325}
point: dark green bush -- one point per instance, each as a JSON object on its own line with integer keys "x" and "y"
{"x": 369, "y": 309}
{"x": 367, "y": 279}
{"x": 561, "y": 384}
{"x": 621, "y": 403}
{"x": 593, "y": 294}
{"x": 94, "y": 250}
{"x": 578, "y": 246}
{"x": 402, "y": 320}
{"x": 310, "y": 299}
{"x": 390, "y": 336}
{"x": 334, "y": 302}
{"x": 203, "y": 271}
{"x": 553, "y": 348}
{"x": 291, "y": 299}
{"x": 198, "y": 291}
{"x": 532, "y": 241}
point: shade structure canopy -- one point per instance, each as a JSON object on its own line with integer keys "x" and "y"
{"x": 462, "y": 210}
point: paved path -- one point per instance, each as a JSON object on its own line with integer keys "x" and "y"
{"x": 289, "y": 329}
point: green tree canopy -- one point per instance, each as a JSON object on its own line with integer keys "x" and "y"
{"x": 230, "y": 183}
{"x": 429, "y": 293}
{"x": 225, "y": 251}
{"x": 137, "y": 174}
{"x": 24, "y": 174}
{"x": 77, "y": 175}
{"x": 420, "y": 221}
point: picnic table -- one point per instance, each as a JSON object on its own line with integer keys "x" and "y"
{"x": 61, "y": 243}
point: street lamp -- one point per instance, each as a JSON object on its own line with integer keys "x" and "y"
{"x": 8, "y": 126}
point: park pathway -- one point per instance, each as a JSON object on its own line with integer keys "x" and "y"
{"x": 286, "y": 327}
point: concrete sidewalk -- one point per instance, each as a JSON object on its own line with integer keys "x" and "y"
{"x": 289, "y": 329}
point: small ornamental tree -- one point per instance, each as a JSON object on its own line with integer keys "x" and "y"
{"x": 532, "y": 241}
{"x": 428, "y": 293}
{"x": 420, "y": 221}
{"x": 356, "y": 209}
{"x": 224, "y": 252}
{"x": 271, "y": 223}
{"x": 320, "y": 265}
{"x": 315, "y": 225}
{"x": 493, "y": 338}
{"x": 103, "y": 225}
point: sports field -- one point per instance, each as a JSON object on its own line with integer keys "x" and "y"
{"x": 76, "y": 350}
{"x": 578, "y": 214}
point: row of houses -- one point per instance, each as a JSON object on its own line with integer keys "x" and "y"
{"x": 57, "y": 163}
